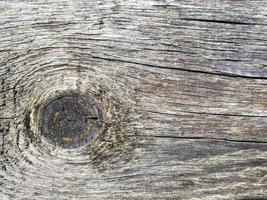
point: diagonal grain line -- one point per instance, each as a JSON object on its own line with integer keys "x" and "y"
{"x": 222, "y": 21}
{"x": 204, "y": 113}
{"x": 180, "y": 69}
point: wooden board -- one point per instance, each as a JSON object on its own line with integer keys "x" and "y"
{"x": 182, "y": 86}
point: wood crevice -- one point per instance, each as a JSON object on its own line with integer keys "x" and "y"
{"x": 199, "y": 138}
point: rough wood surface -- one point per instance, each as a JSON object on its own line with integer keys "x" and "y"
{"x": 181, "y": 83}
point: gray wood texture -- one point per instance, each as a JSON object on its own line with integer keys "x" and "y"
{"x": 182, "y": 85}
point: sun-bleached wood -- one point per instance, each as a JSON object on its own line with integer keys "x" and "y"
{"x": 182, "y": 86}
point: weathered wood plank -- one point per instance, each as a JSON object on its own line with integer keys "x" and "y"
{"x": 182, "y": 86}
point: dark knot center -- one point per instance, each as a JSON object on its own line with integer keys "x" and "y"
{"x": 70, "y": 121}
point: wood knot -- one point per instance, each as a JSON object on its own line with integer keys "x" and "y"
{"x": 70, "y": 121}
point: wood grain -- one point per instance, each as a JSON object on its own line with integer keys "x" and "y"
{"x": 182, "y": 86}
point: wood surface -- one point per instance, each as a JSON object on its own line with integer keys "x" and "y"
{"x": 182, "y": 85}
